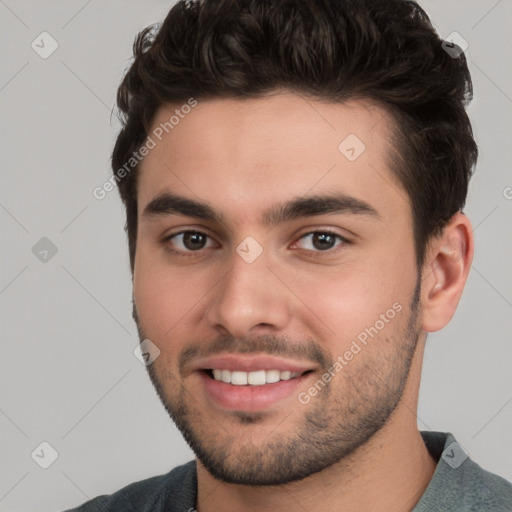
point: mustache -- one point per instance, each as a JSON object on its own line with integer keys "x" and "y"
{"x": 278, "y": 346}
{"x": 273, "y": 345}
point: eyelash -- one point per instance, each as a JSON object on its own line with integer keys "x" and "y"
{"x": 317, "y": 253}
{"x": 184, "y": 254}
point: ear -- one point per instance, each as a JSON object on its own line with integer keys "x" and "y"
{"x": 447, "y": 263}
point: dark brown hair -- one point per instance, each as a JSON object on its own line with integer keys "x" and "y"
{"x": 333, "y": 50}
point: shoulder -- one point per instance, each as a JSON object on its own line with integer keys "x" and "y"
{"x": 175, "y": 490}
{"x": 481, "y": 490}
{"x": 459, "y": 483}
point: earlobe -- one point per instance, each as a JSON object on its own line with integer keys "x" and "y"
{"x": 446, "y": 269}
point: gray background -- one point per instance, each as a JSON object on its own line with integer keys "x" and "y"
{"x": 68, "y": 373}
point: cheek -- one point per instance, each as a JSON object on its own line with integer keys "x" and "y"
{"x": 161, "y": 296}
{"x": 341, "y": 303}
{"x": 170, "y": 300}
{"x": 159, "y": 312}
{"x": 344, "y": 306}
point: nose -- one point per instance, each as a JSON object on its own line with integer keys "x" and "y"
{"x": 249, "y": 300}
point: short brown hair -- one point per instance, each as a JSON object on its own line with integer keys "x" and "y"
{"x": 335, "y": 50}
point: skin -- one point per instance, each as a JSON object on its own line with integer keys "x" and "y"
{"x": 243, "y": 157}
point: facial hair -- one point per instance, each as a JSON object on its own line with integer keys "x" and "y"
{"x": 344, "y": 415}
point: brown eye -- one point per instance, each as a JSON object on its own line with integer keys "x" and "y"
{"x": 194, "y": 241}
{"x": 188, "y": 241}
{"x": 320, "y": 241}
{"x": 323, "y": 241}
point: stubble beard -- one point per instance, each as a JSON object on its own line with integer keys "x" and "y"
{"x": 343, "y": 417}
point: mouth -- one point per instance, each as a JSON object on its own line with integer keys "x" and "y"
{"x": 250, "y": 383}
{"x": 253, "y": 378}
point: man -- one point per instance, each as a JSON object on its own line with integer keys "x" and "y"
{"x": 294, "y": 174}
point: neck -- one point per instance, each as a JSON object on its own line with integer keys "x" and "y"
{"x": 389, "y": 472}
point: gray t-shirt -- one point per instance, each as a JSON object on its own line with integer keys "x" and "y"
{"x": 458, "y": 484}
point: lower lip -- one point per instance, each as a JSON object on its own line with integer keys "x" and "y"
{"x": 249, "y": 398}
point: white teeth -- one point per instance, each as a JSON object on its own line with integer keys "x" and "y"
{"x": 238, "y": 378}
{"x": 273, "y": 376}
{"x": 256, "y": 378}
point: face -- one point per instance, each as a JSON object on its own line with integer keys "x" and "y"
{"x": 275, "y": 271}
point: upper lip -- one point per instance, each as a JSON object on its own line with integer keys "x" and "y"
{"x": 250, "y": 363}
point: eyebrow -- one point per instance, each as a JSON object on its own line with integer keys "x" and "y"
{"x": 332, "y": 203}
{"x": 172, "y": 204}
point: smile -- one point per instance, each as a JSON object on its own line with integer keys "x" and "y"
{"x": 254, "y": 378}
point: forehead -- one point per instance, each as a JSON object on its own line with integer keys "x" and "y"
{"x": 243, "y": 155}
